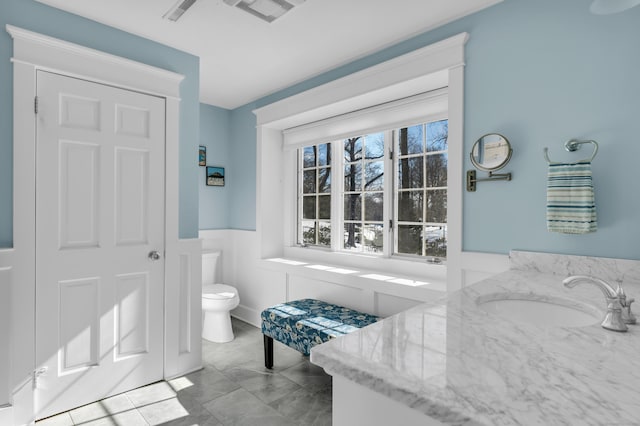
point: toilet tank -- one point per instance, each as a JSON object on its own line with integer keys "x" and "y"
{"x": 211, "y": 267}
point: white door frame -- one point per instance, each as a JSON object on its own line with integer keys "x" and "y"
{"x": 32, "y": 52}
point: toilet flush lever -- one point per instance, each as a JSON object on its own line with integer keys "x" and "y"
{"x": 154, "y": 255}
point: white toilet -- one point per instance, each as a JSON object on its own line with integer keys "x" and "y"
{"x": 217, "y": 300}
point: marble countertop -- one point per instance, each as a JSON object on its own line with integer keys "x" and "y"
{"x": 463, "y": 366}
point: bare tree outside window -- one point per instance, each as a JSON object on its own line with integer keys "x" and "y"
{"x": 364, "y": 192}
{"x": 418, "y": 192}
{"x": 316, "y": 195}
{"x": 422, "y": 189}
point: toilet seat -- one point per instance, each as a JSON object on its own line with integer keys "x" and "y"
{"x": 218, "y": 292}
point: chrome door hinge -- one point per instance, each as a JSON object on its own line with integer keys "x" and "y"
{"x": 35, "y": 105}
{"x": 37, "y": 373}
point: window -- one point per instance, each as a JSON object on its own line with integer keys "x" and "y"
{"x": 411, "y": 208}
{"x": 315, "y": 204}
{"x": 421, "y": 190}
{"x": 423, "y": 86}
{"x": 363, "y": 194}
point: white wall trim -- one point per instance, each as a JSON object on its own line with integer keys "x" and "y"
{"x": 32, "y": 52}
{"x": 6, "y": 415}
{"x": 485, "y": 262}
{"x": 413, "y": 71}
{"x": 403, "y": 112}
{"x": 421, "y": 290}
{"x": 6, "y": 272}
{"x": 437, "y": 65}
{"x": 24, "y": 219}
{"x": 454, "y": 178}
{"x": 475, "y": 266}
{"x": 261, "y": 283}
{"x": 183, "y": 319}
{"x": 248, "y": 315}
{"x": 46, "y": 52}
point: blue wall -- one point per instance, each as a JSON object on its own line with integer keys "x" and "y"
{"x": 34, "y": 16}
{"x": 540, "y": 72}
{"x": 215, "y": 135}
{"x": 242, "y": 176}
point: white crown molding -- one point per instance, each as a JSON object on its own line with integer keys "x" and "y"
{"x": 49, "y": 53}
{"x": 374, "y": 85}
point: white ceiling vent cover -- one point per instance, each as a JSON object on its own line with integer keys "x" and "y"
{"x": 268, "y": 10}
{"x": 178, "y": 9}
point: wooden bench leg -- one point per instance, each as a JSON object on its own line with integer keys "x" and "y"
{"x": 268, "y": 351}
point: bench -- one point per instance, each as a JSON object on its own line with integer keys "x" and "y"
{"x": 302, "y": 324}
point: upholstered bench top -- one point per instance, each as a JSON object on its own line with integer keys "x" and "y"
{"x": 302, "y": 324}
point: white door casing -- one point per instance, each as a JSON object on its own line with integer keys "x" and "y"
{"x": 33, "y": 52}
{"x": 99, "y": 213}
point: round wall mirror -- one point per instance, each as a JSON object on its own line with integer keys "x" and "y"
{"x": 491, "y": 152}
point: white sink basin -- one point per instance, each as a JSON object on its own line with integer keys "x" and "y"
{"x": 539, "y": 310}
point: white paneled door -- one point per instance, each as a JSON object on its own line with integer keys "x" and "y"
{"x": 100, "y": 241}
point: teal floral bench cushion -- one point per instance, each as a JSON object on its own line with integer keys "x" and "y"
{"x": 302, "y": 324}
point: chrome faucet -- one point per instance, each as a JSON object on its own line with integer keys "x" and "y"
{"x": 618, "y": 307}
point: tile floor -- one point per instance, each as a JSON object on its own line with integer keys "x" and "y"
{"x": 233, "y": 389}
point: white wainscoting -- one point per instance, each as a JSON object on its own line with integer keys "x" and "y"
{"x": 6, "y": 416}
{"x": 183, "y": 326}
{"x": 6, "y": 272}
{"x": 478, "y": 266}
{"x": 5, "y": 330}
{"x": 261, "y": 285}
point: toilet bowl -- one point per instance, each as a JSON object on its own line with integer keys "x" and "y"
{"x": 217, "y": 301}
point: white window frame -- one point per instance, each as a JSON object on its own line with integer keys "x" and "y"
{"x": 299, "y": 195}
{"x": 390, "y": 212}
{"x": 396, "y": 192}
{"x": 435, "y": 66}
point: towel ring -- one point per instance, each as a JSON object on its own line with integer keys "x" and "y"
{"x": 573, "y": 145}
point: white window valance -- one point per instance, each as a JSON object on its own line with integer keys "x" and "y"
{"x": 415, "y": 109}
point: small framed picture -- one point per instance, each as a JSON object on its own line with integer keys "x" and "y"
{"x": 215, "y": 176}
{"x": 202, "y": 155}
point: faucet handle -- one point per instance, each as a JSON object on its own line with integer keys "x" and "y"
{"x": 627, "y": 316}
{"x": 613, "y": 320}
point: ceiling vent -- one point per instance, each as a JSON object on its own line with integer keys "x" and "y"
{"x": 268, "y": 10}
{"x": 178, "y": 10}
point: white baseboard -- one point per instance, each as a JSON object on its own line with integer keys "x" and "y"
{"x": 6, "y": 415}
{"x": 248, "y": 315}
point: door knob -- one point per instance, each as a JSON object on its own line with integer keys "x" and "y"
{"x": 154, "y": 255}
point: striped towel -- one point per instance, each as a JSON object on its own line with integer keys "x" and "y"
{"x": 571, "y": 207}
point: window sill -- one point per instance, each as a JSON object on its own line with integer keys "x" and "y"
{"x": 401, "y": 278}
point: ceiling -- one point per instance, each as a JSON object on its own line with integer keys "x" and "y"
{"x": 243, "y": 58}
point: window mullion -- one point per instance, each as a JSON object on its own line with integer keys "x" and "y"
{"x": 299, "y": 175}
{"x": 424, "y": 190}
{"x": 388, "y": 195}
{"x": 337, "y": 183}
